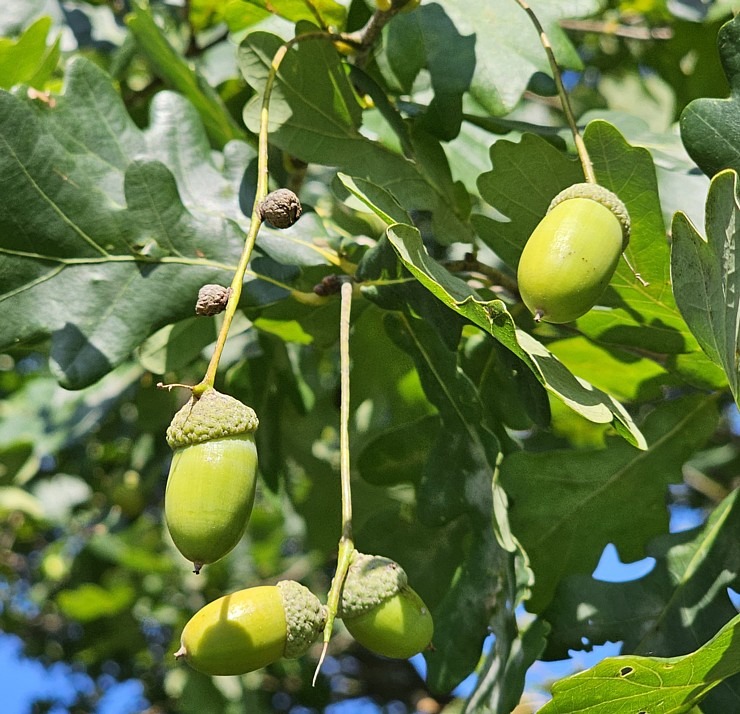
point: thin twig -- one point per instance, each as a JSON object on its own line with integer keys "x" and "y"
{"x": 256, "y": 217}
{"x": 364, "y": 39}
{"x": 588, "y": 169}
{"x": 617, "y": 30}
{"x": 470, "y": 264}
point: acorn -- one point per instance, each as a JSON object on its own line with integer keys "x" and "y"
{"x": 573, "y": 252}
{"x": 213, "y": 475}
{"x": 252, "y": 628}
{"x": 381, "y": 610}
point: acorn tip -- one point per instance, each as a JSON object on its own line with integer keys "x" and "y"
{"x": 182, "y": 652}
{"x": 538, "y": 315}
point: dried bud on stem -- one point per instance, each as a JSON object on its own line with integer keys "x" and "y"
{"x": 212, "y": 299}
{"x": 281, "y": 208}
{"x": 329, "y": 285}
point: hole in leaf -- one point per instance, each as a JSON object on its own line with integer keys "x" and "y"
{"x": 624, "y": 672}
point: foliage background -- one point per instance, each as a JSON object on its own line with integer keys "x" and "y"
{"x": 127, "y": 162}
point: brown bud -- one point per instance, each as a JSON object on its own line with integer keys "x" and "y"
{"x": 212, "y": 299}
{"x": 281, "y": 208}
{"x": 329, "y": 285}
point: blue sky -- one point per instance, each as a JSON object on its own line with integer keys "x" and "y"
{"x": 23, "y": 680}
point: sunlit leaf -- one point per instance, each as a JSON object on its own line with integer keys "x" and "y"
{"x": 90, "y": 601}
{"x": 706, "y": 279}
{"x": 650, "y": 684}
{"x": 29, "y": 60}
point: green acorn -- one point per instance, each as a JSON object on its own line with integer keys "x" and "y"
{"x": 381, "y": 611}
{"x": 252, "y": 628}
{"x": 213, "y": 475}
{"x": 572, "y": 254}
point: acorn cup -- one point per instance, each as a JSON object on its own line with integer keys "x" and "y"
{"x": 573, "y": 252}
{"x": 213, "y": 475}
{"x": 381, "y": 611}
{"x": 252, "y": 628}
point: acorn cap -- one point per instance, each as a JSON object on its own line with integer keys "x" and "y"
{"x": 210, "y": 416}
{"x": 370, "y": 581}
{"x": 601, "y": 195}
{"x": 305, "y": 617}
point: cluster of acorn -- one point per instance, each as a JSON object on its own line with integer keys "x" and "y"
{"x": 563, "y": 271}
{"x": 208, "y": 501}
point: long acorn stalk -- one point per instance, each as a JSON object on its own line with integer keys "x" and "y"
{"x": 370, "y": 593}
{"x": 346, "y": 547}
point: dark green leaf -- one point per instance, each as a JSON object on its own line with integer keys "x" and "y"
{"x": 102, "y": 244}
{"x": 314, "y": 116}
{"x": 674, "y": 609}
{"x": 501, "y": 680}
{"x": 705, "y": 77}
{"x": 461, "y": 619}
{"x": 509, "y": 392}
{"x": 430, "y": 556}
{"x": 272, "y": 383}
{"x": 614, "y": 495}
{"x": 428, "y": 38}
{"x": 399, "y": 454}
{"x": 710, "y": 128}
{"x": 493, "y": 317}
